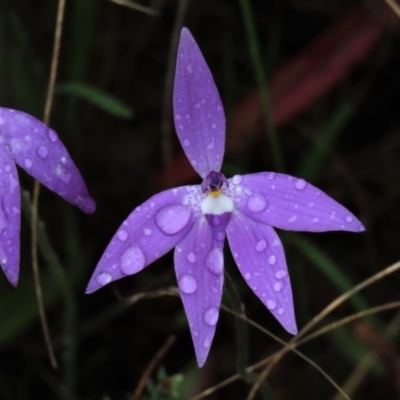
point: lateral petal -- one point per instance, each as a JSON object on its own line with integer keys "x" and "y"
{"x": 10, "y": 218}
{"x": 38, "y": 150}
{"x": 199, "y": 268}
{"x": 260, "y": 257}
{"x": 289, "y": 203}
{"x": 149, "y": 232}
{"x": 198, "y": 113}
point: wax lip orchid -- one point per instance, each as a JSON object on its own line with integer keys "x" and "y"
{"x": 195, "y": 219}
{"x": 26, "y": 141}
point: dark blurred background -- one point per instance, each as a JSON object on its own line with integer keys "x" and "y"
{"x": 334, "y": 85}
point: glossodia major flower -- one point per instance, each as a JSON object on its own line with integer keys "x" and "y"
{"x": 196, "y": 219}
{"x": 26, "y": 141}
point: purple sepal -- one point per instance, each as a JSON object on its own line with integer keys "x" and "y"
{"x": 199, "y": 267}
{"x": 38, "y": 150}
{"x": 149, "y": 232}
{"x": 260, "y": 257}
{"x": 289, "y": 203}
{"x": 198, "y": 112}
{"x": 10, "y": 218}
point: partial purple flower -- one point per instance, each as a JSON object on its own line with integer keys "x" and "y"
{"x": 196, "y": 219}
{"x": 37, "y": 149}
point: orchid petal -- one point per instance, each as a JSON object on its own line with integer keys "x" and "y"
{"x": 199, "y": 267}
{"x": 198, "y": 112}
{"x": 37, "y": 149}
{"x": 260, "y": 257}
{"x": 149, "y": 232}
{"x": 289, "y": 203}
{"x": 10, "y": 218}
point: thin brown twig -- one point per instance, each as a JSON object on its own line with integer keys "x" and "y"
{"x": 36, "y": 187}
{"x": 135, "y": 6}
{"x": 150, "y": 368}
{"x": 394, "y": 6}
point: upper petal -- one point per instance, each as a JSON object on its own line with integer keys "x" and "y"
{"x": 199, "y": 267}
{"x": 198, "y": 113}
{"x": 259, "y": 255}
{"x": 289, "y": 203}
{"x": 150, "y": 231}
{"x": 10, "y": 218}
{"x": 38, "y": 150}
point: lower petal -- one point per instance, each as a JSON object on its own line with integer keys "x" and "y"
{"x": 199, "y": 267}
{"x": 260, "y": 257}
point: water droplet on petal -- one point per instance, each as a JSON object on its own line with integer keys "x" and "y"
{"x": 210, "y": 317}
{"x": 273, "y": 187}
{"x": 271, "y": 260}
{"x": 191, "y": 257}
{"x": 257, "y": 203}
{"x": 15, "y": 210}
{"x": 280, "y": 274}
{"x": 237, "y": 179}
{"x": 7, "y": 168}
{"x": 211, "y": 145}
{"x": 300, "y": 184}
{"x": 215, "y": 261}
{"x": 315, "y": 220}
{"x": 189, "y": 68}
{"x": 186, "y": 142}
{"x": 63, "y": 174}
{"x": 216, "y": 221}
{"x": 147, "y": 231}
{"x": 278, "y": 286}
{"x": 261, "y": 245}
{"x": 271, "y": 304}
{"x": 103, "y": 278}
{"x": 220, "y": 236}
{"x": 292, "y": 219}
{"x": 28, "y": 163}
{"x": 247, "y": 276}
{"x": 187, "y": 284}
{"x": 349, "y": 218}
{"x": 206, "y": 343}
{"x": 52, "y": 136}
{"x": 122, "y": 235}
{"x": 178, "y": 117}
{"x": 271, "y": 176}
{"x": 281, "y": 311}
{"x": 172, "y": 219}
{"x": 132, "y": 260}
{"x": 42, "y": 151}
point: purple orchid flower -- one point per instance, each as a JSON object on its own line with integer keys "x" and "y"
{"x": 195, "y": 219}
{"x": 26, "y": 141}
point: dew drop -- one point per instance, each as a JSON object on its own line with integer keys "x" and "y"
{"x": 292, "y": 219}
{"x": 215, "y": 262}
{"x": 42, "y": 151}
{"x": 147, "y": 231}
{"x": 247, "y": 276}
{"x": 132, "y": 260}
{"x": 172, "y": 219}
{"x": 349, "y": 218}
{"x": 271, "y": 176}
{"x": 206, "y": 343}
{"x": 237, "y": 179}
{"x": 220, "y": 236}
{"x": 52, "y": 136}
{"x": 63, "y": 174}
{"x": 261, "y": 245}
{"x": 211, "y": 145}
{"x": 273, "y": 187}
{"x": 186, "y": 142}
{"x": 213, "y": 126}
{"x": 216, "y": 221}
{"x": 300, "y": 184}
{"x": 28, "y": 163}
{"x": 122, "y": 235}
{"x": 311, "y": 205}
{"x": 178, "y": 117}
{"x": 15, "y": 210}
{"x": 280, "y": 274}
{"x": 210, "y": 317}
{"x": 103, "y": 278}
{"x": 315, "y": 220}
{"x": 191, "y": 257}
{"x": 189, "y": 68}
{"x": 278, "y": 286}
{"x": 257, "y": 203}
{"x": 281, "y": 311}
{"x": 187, "y": 284}
{"x": 271, "y": 304}
{"x": 7, "y": 168}
{"x": 272, "y": 260}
